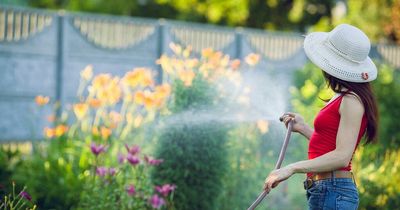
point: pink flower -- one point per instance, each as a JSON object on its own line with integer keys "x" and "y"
{"x": 112, "y": 171}
{"x": 121, "y": 158}
{"x": 132, "y": 159}
{"x": 25, "y": 195}
{"x": 132, "y": 150}
{"x": 97, "y": 149}
{"x": 101, "y": 171}
{"x": 131, "y": 190}
{"x": 152, "y": 161}
{"x": 156, "y": 201}
{"x": 165, "y": 189}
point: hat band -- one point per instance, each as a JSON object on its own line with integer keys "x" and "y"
{"x": 332, "y": 47}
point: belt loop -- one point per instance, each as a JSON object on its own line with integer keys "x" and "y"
{"x": 333, "y": 178}
{"x": 354, "y": 179}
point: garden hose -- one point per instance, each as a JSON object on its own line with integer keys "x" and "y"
{"x": 278, "y": 163}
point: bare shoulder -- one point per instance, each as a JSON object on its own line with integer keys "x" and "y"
{"x": 352, "y": 105}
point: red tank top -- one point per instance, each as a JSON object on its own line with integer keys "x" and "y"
{"x": 326, "y": 124}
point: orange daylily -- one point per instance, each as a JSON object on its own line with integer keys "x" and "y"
{"x": 139, "y": 97}
{"x": 94, "y": 103}
{"x": 207, "y": 52}
{"x": 139, "y": 76}
{"x": 105, "y": 132}
{"x": 95, "y": 131}
{"x": 177, "y": 49}
{"x": 110, "y": 93}
{"x": 263, "y": 126}
{"x": 252, "y": 59}
{"x": 51, "y": 118}
{"x": 49, "y": 132}
{"x": 61, "y": 130}
{"x": 101, "y": 80}
{"x": 165, "y": 63}
{"x": 42, "y": 100}
{"x": 187, "y": 77}
{"x": 163, "y": 91}
{"x": 235, "y": 64}
{"x": 138, "y": 121}
{"x": 115, "y": 117}
{"x": 80, "y": 110}
{"x": 87, "y": 73}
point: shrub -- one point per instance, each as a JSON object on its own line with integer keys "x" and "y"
{"x": 193, "y": 145}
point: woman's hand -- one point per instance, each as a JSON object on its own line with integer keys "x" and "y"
{"x": 277, "y": 176}
{"x": 298, "y": 121}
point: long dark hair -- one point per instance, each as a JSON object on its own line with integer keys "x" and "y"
{"x": 364, "y": 92}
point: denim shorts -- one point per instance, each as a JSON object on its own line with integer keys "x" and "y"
{"x": 333, "y": 194}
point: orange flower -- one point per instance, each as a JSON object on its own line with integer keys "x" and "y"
{"x": 149, "y": 100}
{"x": 80, "y": 110}
{"x": 263, "y": 126}
{"x": 61, "y": 130}
{"x": 252, "y": 59}
{"x": 177, "y": 49}
{"x": 165, "y": 63}
{"x": 187, "y": 51}
{"x": 139, "y": 97}
{"x": 235, "y": 64}
{"x": 110, "y": 93}
{"x": 138, "y": 121}
{"x": 163, "y": 91}
{"x": 49, "y": 132}
{"x": 95, "y": 131}
{"x": 94, "y": 103}
{"x": 87, "y": 73}
{"x": 187, "y": 77}
{"x": 42, "y": 100}
{"x": 101, "y": 80}
{"x": 51, "y": 118}
{"x": 207, "y": 52}
{"x": 138, "y": 76}
{"x": 115, "y": 117}
{"x": 105, "y": 132}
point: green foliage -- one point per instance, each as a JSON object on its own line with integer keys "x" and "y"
{"x": 195, "y": 154}
{"x": 51, "y": 175}
{"x": 372, "y": 164}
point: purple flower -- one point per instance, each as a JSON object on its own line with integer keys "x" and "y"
{"x": 121, "y": 158}
{"x": 132, "y": 150}
{"x": 97, "y": 149}
{"x": 131, "y": 190}
{"x": 165, "y": 189}
{"x": 26, "y": 195}
{"x": 112, "y": 171}
{"x": 152, "y": 161}
{"x": 101, "y": 171}
{"x": 156, "y": 201}
{"x": 132, "y": 159}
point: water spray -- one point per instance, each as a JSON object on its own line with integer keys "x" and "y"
{"x": 278, "y": 163}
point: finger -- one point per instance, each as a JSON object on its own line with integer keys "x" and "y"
{"x": 275, "y": 184}
{"x": 291, "y": 114}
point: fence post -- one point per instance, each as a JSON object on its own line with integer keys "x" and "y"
{"x": 60, "y": 60}
{"x": 238, "y": 43}
{"x": 161, "y": 32}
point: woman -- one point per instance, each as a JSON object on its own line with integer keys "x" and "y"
{"x": 342, "y": 54}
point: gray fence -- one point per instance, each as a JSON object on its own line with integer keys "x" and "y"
{"x": 42, "y": 53}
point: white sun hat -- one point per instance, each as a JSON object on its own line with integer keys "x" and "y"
{"x": 342, "y": 53}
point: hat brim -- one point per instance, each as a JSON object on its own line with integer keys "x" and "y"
{"x": 316, "y": 49}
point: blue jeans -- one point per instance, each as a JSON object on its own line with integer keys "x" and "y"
{"x": 333, "y": 194}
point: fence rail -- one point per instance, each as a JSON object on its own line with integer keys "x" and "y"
{"x": 42, "y": 52}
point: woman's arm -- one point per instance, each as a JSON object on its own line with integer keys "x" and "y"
{"x": 299, "y": 124}
{"x": 306, "y": 131}
{"x": 351, "y": 111}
